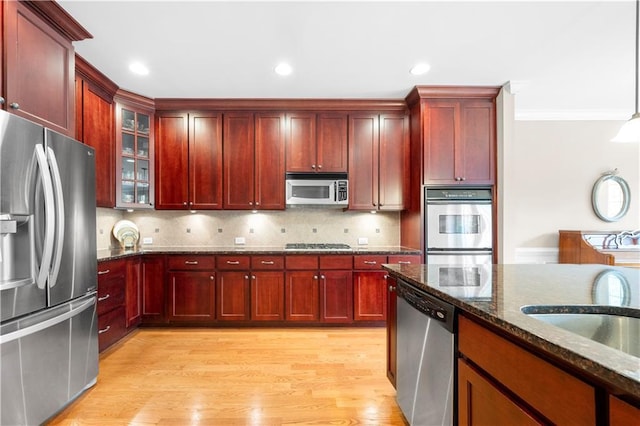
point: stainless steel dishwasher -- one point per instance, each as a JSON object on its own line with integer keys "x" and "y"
{"x": 425, "y": 350}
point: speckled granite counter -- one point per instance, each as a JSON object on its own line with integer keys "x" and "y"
{"x": 515, "y": 286}
{"x": 110, "y": 254}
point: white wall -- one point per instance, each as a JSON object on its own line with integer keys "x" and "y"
{"x": 550, "y": 168}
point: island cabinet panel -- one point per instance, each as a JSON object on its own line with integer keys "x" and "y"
{"x": 267, "y": 296}
{"x": 253, "y": 161}
{"x": 38, "y": 63}
{"x": 316, "y": 142}
{"x": 622, "y": 413}
{"x": 378, "y": 161}
{"x": 232, "y": 296}
{"x": 459, "y": 141}
{"x": 519, "y": 374}
{"x": 153, "y": 289}
{"x": 112, "y": 278}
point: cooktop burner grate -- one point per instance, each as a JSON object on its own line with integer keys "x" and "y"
{"x": 317, "y": 246}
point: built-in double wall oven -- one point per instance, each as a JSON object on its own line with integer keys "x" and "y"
{"x": 459, "y": 238}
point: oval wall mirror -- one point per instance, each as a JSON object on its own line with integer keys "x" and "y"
{"x": 610, "y": 197}
{"x": 611, "y": 287}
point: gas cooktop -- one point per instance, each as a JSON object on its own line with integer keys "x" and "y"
{"x": 317, "y": 246}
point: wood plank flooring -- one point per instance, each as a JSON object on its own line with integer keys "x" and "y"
{"x": 311, "y": 376}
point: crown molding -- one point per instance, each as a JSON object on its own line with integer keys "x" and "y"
{"x": 571, "y": 115}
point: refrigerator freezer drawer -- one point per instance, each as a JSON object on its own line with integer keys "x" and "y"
{"x": 48, "y": 359}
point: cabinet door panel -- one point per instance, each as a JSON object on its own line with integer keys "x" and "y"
{"x": 232, "y": 296}
{"x": 205, "y": 161}
{"x": 476, "y": 142}
{"x": 40, "y": 70}
{"x": 332, "y": 143}
{"x": 172, "y": 159}
{"x": 441, "y": 128}
{"x": 301, "y": 142}
{"x": 370, "y": 294}
{"x": 302, "y": 298}
{"x": 267, "y": 296}
{"x": 153, "y": 307}
{"x": 191, "y": 296}
{"x": 480, "y": 403}
{"x": 393, "y": 157}
{"x": 133, "y": 293}
{"x": 392, "y": 330}
{"x": 269, "y": 161}
{"x": 238, "y": 145}
{"x": 336, "y": 296}
{"x": 363, "y": 162}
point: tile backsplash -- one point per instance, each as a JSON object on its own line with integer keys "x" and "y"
{"x": 269, "y": 228}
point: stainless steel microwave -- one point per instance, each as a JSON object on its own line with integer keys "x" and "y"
{"x": 317, "y": 189}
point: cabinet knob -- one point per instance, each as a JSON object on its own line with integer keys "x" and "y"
{"x": 313, "y": 166}
{"x": 315, "y": 277}
{"x": 322, "y": 277}
{"x": 257, "y": 203}
{"x": 250, "y": 203}
{"x": 1, "y": 100}
{"x": 246, "y": 277}
{"x": 392, "y": 288}
{"x": 184, "y": 203}
{"x": 374, "y": 204}
{"x": 463, "y": 179}
{"x": 319, "y": 166}
{"x": 211, "y": 277}
{"x": 14, "y": 105}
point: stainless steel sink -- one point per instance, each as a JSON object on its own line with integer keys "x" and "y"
{"x": 616, "y": 327}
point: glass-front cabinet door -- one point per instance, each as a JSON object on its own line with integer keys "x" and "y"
{"x": 134, "y": 189}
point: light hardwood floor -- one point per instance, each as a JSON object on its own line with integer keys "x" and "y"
{"x": 311, "y": 376}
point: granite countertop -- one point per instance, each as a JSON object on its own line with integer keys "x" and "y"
{"x": 515, "y": 286}
{"x": 111, "y": 254}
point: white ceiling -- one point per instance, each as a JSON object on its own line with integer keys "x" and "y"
{"x": 575, "y": 58}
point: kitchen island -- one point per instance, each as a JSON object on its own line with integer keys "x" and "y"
{"x": 612, "y": 375}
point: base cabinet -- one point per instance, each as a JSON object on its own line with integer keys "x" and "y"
{"x": 134, "y": 293}
{"x": 153, "y": 277}
{"x": 191, "y": 295}
{"x": 392, "y": 330}
{"x": 267, "y": 296}
{"x": 112, "y": 281}
{"x": 622, "y": 413}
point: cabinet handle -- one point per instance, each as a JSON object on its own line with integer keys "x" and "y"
{"x": 100, "y": 299}
{"x": 370, "y": 262}
{"x": 392, "y": 288}
{"x": 190, "y": 262}
{"x": 104, "y": 272}
{"x": 104, "y": 330}
{"x": 267, "y": 262}
{"x": 233, "y": 262}
{"x": 14, "y": 105}
{"x": 404, "y": 262}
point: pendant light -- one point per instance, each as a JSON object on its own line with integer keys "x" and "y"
{"x": 630, "y": 131}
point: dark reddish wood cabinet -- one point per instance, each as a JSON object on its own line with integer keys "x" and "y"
{"x": 459, "y": 141}
{"x": 112, "y": 278}
{"x": 378, "y": 161}
{"x": 253, "y": 166}
{"x": 370, "y": 295}
{"x": 189, "y": 161}
{"x": 191, "y": 281}
{"x": 316, "y": 142}
{"x": 153, "y": 289}
{"x": 232, "y": 301}
{"x": 38, "y": 63}
{"x": 94, "y": 126}
{"x": 134, "y": 292}
{"x": 267, "y": 295}
{"x": 392, "y": 330}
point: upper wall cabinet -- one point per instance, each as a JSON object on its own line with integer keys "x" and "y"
{"x": 135, "y": 151}
{"x": 378, "y": 161}
{"x": 38, "y": 33}
{"x": 457, "y": 134}
{"x": 94, "y": 126}
{"x": 189, "y": 161}
{"x": 316, "y": 142}
{"x": 253, "y": 162}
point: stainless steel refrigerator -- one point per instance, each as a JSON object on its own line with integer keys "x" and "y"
{"x": 48, "y": 271}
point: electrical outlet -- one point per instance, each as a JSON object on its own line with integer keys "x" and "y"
{"x": 147, "y": 240}
{"x": 239, "y": 240}
{"x": 363, "y": 241}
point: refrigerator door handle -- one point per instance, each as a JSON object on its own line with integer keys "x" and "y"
{"x": 47, "y": 323}
{"x": 59, "y": 203}
{"x": 47, "y": 252}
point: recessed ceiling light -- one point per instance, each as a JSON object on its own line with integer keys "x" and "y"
{"x": 138, "y": 68}
{"x": 420, "y": 69}
{"x": 283, "y": 69}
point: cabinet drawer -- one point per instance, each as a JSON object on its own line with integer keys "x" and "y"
{"x": 336, "y": 261}
{"x": 110, "y": 268}
{"x": 111, "y": 327}
{"x": 191, "y": 263}
{"x": 233, "y": 262}
{"x": 301, "y": 262}
{"x": 368, "y": 262}
{"x": 525, "y": 374}
{"x": 110, "y": 294}
{"x": 267, "y": 262}
{"x": 404, "y": 259}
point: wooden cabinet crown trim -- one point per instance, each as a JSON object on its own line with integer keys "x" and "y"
{"x": 451, "y": 92}
{"x": 134, "y": 100}
{"x": 52, "y": 13}
{"x": 174, "y": 104}
{"x": 88, "y": 72}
